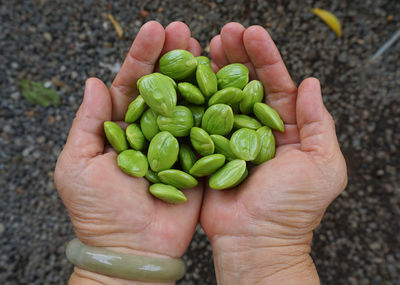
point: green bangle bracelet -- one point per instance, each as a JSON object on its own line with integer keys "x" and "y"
{"x": 123, "y": 265}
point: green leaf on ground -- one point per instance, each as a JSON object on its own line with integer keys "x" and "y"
{"x": 36, "y": 93}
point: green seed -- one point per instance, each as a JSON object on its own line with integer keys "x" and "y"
{"x": 206, "y": 80}
{"x": 244, "y": 176}
{"x": 244, "y": 121}
{"x": 203, "y": 60}
{"x": 135, "y": 110}
{"x": 167, "y": 193}
{"x": 115, "y": 136}
{"x": 223, "y": 146}
{"x": 207, "y": 165}
{"x": 152, "y": 176}
{"x": 201, "y": 141}
{"x": 253, "y": 93}
{"x": 229, "y": 175}
{"x": 163, "y": 151}
{"x": 191, "y": 93}
{"x": 178, "y": 64}
{"x": 233, "y": 75}
{"x": 268, "y": 116}
{"x": 133, "y": 162}
{"x": 172, "y": 81}
{"x": 245, "y": 144}
{"x": 186, "y": 157}
{"x": 179, "y": 123}
{"x": 177, "y": 178}
{"x": 135, "y": 137}
{"x": 158, "y": 92}
{"x": 218, "y": 119}
{"x": 197, "y": 112}
{"x": 148, "y": 124}
{"x": 267, "y": 150}
{"x": 228, "y": 95}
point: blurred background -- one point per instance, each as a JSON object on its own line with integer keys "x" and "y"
{"x": 49, "y": 48}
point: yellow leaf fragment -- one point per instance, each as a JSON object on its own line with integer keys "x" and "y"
{"x": 117, "y": 26}
{"x": 330, "y": 19}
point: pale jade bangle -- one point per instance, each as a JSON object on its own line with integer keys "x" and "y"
{"x": 123, "y": 265}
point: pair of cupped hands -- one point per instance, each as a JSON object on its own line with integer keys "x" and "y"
{"x": 260, "y": 230}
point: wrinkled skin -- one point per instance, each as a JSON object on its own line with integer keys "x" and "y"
{"x": 283, "y": 200}
{"x": 271, "y": 215}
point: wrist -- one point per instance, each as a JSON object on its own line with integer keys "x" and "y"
{"x": 255, "y": 260}
{"x": 84, "y": 277}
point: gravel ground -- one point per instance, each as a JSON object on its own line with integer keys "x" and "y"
{"x": 64, "y": 42}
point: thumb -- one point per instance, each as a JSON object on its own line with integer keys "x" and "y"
{"x": 315, "y": 124}
{"x": 86, "y": 137}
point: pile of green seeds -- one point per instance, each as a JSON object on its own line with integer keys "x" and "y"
{"x": 189, "y": 122}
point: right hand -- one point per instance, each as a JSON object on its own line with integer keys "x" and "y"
{"x": 261, "y": 231}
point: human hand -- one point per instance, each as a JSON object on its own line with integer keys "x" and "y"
{"x": 261, "y": 231}
{"x": 107, "y": 207}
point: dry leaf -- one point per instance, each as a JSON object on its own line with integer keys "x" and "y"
{"x": 117, "y": 26}
{"x": 330, "y": 19}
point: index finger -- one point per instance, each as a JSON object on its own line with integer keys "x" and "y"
{"x": 140, "y": 61}
{"x": 271, "y": 71}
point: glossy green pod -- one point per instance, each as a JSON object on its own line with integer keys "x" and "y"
{"x": 228, "y": 95}
{"x": 222, "y": 146}
{"x": 167, "y": 193}
{"x": 177, "y": 178}
{"x": 267, "y": 150}
{"x": 135, "y": 137}
{"x": 158, "y": 93}
{"x": 244, "y": 176}
{"x": 207, "y": 165}
{"x": 186, "y": 157}
{"x": 177, "y": 64}
{"x": 253, "y": 93}
{"x": 206, "y": 80}
{"x": 172, "y": 81}
{"x": 229, "y": 175}
{"x": 133, "y": 162}
{"x": 179, "y": 123}
{"x": 203, "y": 60}
{"x": 115, "y": 136}
{"x": 218, "y": 119}
{"x": 197, "y": 112}
{"x": 163, "y": 151}
{"x": 233, "y": 75}
{"x": 191, "y": 93}
{"x": 201, "y": 141}
{"x": 244, "y": 121}
{"x": 268, "y": 116}
{"x": 135, "y": 110}
{"x": 148, "y": 124}
{"x": 152, "y": 176}
{"x": 245, "y": 144}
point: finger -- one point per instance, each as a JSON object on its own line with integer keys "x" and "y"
{"x": 316, "y": 126}
{"x": 194, "y": 47}
{"x": 290, "y": 136}
{"x": 86, "y": 137}
{"x": 177, "y": 36}
{"x": 140, "y": 61}
{"x": 214, "y": 66}
{"x": 217, "y": 52}
{"x": 232, "y": 43}
{"x": 271, "y": 71}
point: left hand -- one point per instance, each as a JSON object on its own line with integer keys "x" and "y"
{"x": 107, "y": 207}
